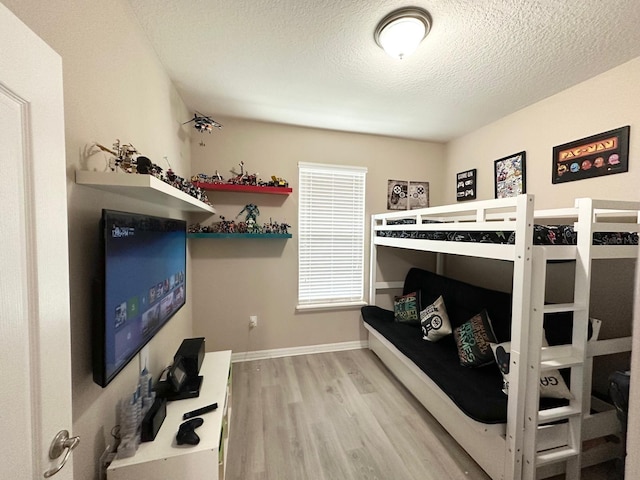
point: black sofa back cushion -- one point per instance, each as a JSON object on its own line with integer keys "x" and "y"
{"x": 464, "y": 300}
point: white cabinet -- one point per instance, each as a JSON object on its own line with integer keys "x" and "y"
{"x": 164, "y": 459}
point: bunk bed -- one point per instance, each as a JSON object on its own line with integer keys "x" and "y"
{"x": 533, "y": 443}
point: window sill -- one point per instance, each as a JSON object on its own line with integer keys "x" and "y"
{"x": 330, "y": 306}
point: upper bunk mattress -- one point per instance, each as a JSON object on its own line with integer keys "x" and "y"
{"x": 542, "y": 235}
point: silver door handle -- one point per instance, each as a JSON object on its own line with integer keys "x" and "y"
{"x": 61, "y": 442}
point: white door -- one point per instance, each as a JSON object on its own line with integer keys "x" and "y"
{"x": 35, "y": 365}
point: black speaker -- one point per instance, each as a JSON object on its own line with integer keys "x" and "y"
{"x": 153, "y": 419}
{"x": 191, "y": 352}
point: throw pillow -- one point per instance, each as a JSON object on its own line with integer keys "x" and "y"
{"x": 552, "y": 385}
{"x": 406, "y": 309}
{"x": 474, "y": 339}
{"x": 435, "y": 321}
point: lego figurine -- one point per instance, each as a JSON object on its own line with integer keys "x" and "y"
{"x": 252, "y": 212}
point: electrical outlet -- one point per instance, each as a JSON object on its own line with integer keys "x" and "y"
{"x": 253, "y": 321}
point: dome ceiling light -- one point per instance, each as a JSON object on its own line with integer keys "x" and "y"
{"x": 400, "y": 32}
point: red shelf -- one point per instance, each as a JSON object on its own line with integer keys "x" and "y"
{"x": 230, "y": 187}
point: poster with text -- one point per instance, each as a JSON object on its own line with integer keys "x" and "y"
{"x": 602, "y": 154}
{"x": 466, "y": 185}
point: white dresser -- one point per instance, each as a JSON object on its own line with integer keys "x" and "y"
{"x": 164, "y": 459}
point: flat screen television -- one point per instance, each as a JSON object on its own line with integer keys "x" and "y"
{"x": 141, "y": 286}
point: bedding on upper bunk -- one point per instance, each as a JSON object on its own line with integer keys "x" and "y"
{"x": 542, "y": 235}
{"x": 478, "y": 392}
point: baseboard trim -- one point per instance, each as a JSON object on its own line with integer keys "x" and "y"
{"x": 292, "y": 351}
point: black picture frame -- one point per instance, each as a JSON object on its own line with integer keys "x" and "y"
{"x": 606, "y": 153}
{"x": 466, "y": 185}
{"x": 510, "y": 175}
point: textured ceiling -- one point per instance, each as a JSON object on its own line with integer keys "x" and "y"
{"x": 314, "y": 62}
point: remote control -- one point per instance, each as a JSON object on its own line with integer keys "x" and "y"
{"x": 200, "y": 411}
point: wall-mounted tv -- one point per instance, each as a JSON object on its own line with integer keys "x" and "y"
{"x": 142, "y": 285}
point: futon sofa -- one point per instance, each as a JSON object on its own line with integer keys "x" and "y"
{"x": 477, "y": 392}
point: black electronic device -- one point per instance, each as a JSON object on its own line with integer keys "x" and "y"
{"x": 178, "y": 385}
{"x": 140, "y": 285}
{"x": 191, "y": 353}
{"x": 153, "y": 419}
{"x": 186, "y": 432}
{"x": 177, "y": 375}
{"x": 200, "y": 411}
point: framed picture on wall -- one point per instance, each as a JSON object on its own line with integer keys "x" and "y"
{"x": 418, "y": 195}
{"x": 397, "y": 193}
{"x": 602, "y": 154}
{"x": 510, "y": 175}
{"x": 405, "y": 195}
{"x": 466, "y": 185}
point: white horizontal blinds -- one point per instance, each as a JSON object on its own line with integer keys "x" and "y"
{"x": 330, "y": 234}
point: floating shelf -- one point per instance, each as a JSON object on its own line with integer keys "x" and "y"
{"x": 257, "y": 236}
{"x": 230, "y": 187}
{"x": 142, "y": 187}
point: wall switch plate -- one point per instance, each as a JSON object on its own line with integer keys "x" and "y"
{"x": 253, "y": 321}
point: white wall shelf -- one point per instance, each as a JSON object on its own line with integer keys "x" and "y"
{"x": 142, "y": 187}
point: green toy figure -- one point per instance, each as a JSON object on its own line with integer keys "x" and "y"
{"x": 252, "y": 212}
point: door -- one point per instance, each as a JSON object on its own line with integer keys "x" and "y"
{"x": 35, "y": 370}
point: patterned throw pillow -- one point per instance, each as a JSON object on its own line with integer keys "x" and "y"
{"x": 552, "y": 385}
{"x": 474, "y": 339}
{"x": 435, "y": 321}
{"x": 406, "y": 308}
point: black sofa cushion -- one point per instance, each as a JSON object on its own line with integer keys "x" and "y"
{"x": 462, "y": 300}
{"x": 476, "y": 391}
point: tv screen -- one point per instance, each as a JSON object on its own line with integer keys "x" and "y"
{"x": 142, "y": 286}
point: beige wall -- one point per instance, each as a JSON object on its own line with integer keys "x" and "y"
{"x": 237, "y": 278}
{"x": 114, "y": 87}
{"x": 603, "y": 103}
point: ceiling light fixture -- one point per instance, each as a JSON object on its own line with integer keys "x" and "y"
{"x": 400, "y": 32}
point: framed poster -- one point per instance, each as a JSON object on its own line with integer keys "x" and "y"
{"x": 397, "y": 191}
{"x": 418, "y": 195}
{"x": 602, "y": 154}
{"x": 466, "y": 185}
{"x": 509, "y": 175}
{"x": 405, "y": 195}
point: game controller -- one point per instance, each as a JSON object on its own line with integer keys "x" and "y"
{"x": 186, "y": 432}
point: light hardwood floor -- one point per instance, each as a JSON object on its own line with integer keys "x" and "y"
{"x": 337, "y": 416}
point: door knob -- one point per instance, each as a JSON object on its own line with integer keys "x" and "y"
{"x": 61, "y": 442}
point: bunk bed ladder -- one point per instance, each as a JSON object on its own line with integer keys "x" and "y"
{"x": 553, "y": 437}
{"x": 516, "y": 433}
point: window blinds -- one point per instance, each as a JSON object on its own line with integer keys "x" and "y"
{"x": 330, "y": 235}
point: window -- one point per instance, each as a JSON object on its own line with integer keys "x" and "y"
{"x": 330, "y": 235}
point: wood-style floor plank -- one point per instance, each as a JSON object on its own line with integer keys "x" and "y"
{"x": 338, "y": 416}
{"x": 333, "y": 416}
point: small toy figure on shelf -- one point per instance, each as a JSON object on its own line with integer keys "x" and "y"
{"x": 250, "y": 225}
{"x": 243, "y": 178}
{"x": 204, "y": 178}
{"x": 278, "y": 182}
{"x": 252, "y": 212}
{"x": 127, "y": 159}
{"x": 284, "y": 228}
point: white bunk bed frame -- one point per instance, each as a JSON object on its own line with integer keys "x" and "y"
{"x": 532, "y": 443}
